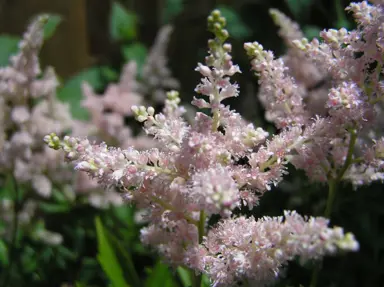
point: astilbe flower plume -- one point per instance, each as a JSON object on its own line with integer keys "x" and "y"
{"x": 196, "y": 171}
{"x": 265, "y": 246}
{"x": 311, "y": 80}
{"x": 156, "y": 77}
{"x": 337, "y": 134}
{"x": 32, "y": 173}
{"x": 107, "y": 124}
{"x": 29, "y": 110}
{"x": 109, "y": 111}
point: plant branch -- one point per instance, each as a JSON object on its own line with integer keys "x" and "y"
{"x": 333, "y": 183}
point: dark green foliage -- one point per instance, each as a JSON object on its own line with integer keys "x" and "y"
{"x": 8, "y": 46}
{"x": 71, "y": 92}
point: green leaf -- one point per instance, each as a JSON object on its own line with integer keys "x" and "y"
{"x": 125, "y": 214}
{"x": 109, "y": 74}
{"x": 342, "y": 21}
{"x": 122, "y": 23}
{"x": 135, "y": 52}
{"x": 51, "y": 26}
{"x": 129, "y": 263}
{"x": 89, "y": 266}
{"x": 160, "y": 273}
{"x": 59, "y": 196}
{"x": 29, "y": 259}
{"x": 7, "y": 190}
{"x": 311, "y": 31}
{"x": 47, "y": 254}
{"x": 71, "y": 91}
{"x": 66, "y": 252}
{"x": 54, "y": 207}
{"x": 8, "y": 47}
{"x": 3, "y": 253}
{"x": 171, "y": 10}
{"x": 235, "y": 25}
{"x": 107, "y": 257}
{"x": 205, "y": 281}
{"x": 185, "y": 276}
{"x": 299, "y": 8}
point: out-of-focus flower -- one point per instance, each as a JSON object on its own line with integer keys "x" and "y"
{"x": 156, "y": 75}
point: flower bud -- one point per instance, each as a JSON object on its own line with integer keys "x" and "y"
{"x": 151, "y": 111}
{"x": 204, "y": 70}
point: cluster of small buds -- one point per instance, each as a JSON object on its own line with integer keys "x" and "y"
{"x": 219, "y": 67}
{"x": 335, "y": 38}
{"x": 53, "y": 141}
{"x": 142, "y": 113}
{"x": 168, "y": 126}
{"x": 345, "y": 96}
{"x": 363, "y": 12}
{"x": 216, "y": 25}
{"x": 172, "y": 103}
{"x": 217, "y": 163}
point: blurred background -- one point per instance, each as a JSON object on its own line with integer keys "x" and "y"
{"x": 91, "y": 40}
{"x": 108, "y": 33}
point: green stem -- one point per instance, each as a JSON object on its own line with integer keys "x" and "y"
{"x": 216, "y": 121}
{"x": 315, "y": 275}
{"x": 349, "y": 159}
{"x": 12, "y": 248}
{"x": 273, "y": 159}
{"x": 201, "y": 226}
{"x": 246, "y": 283}
{"x": 333, "y": 183}
{"x": 268, "y": 163}
{"x": 332, "y": 189}
{"x": 216, "y": 113}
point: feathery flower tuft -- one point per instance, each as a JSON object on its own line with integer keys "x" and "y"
{"x": 265, "y": 246}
